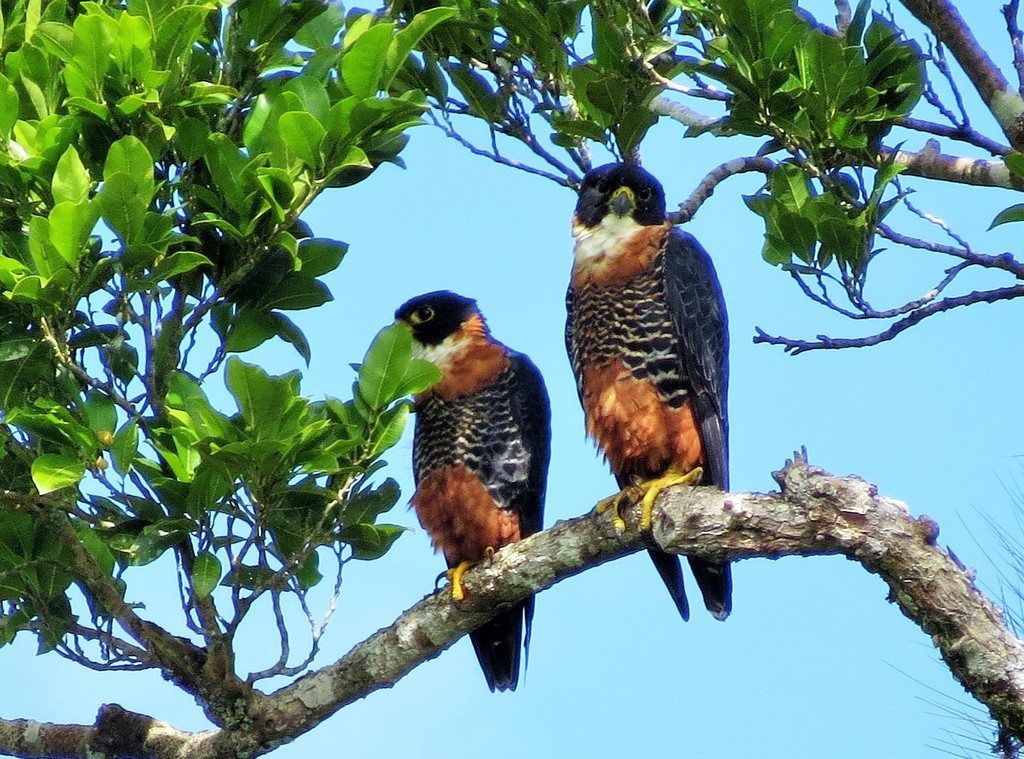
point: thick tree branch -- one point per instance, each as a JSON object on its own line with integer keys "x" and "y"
{"x": 117, "y": 732}
{"x": 814, "y": 514}
{"x": 931, "y": 163}
{"x": 1005, "y": 102}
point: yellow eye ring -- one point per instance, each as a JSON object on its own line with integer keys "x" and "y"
{"x": 422, "y": 314}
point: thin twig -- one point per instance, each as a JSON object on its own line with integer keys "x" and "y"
{"x": 716, "y": 176}
{"x": 824, "y": 342}
{"x": 1010, "y": 13}
{"x": 958, "y": 133}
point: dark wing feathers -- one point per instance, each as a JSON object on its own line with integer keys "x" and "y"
{"x": 697, "y": 309}
{"x": 531, "y": 414}
{"x": 497, "y": 642}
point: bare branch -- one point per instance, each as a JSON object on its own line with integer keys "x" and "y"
{"x": 844, "y": 16}
{"x": 570, "y": 180}
{"x": 1010, "y": 13}
{"x": 706, "y": 188}
{"x": 958, "y": 133}
{"x": 1005, "y": 103}
{"x": 684, "y": 115}
{"x": 1004, "y": 261}
{"x": 824, "y": 342}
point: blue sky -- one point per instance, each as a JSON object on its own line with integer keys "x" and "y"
{"x": 813, "y": 659}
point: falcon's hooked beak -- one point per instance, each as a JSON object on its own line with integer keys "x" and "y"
{"x": 622, "y": 202}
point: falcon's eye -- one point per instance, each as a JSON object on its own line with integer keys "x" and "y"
{"x": 645, "y": 194}
{"x": 422, "y": 314}
{"x": 602, "y": 187}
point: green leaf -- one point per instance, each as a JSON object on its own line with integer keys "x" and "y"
{"x": 799, "y": 234}
{"x": 406, "y": 40}
{"x": 17, "y": 349}
{"x": 370, "y": 541}
{"x": 289, "y": 331}
{"x": 249, "y": 329}
{"x": 385, "y": 365}
{"x": 367, "y": 505}
{"x": 70, "y": 227}
{"x": 124, "y": 206}
{"x": 363, "y": 64}
{"x": 95, "y": 546}
{"x": 71, "y": 181}
{"x": 129, "y": 156}
{"x": 1008, "y": 216}
{"x": 308, "y": 574}
{"x": 53, "y": 471}
{"x": 100, "y": 412}
{"x": 855, "y": 32}
{"x": 390, "y": 427}
{"x": 126, "y": 447}
{"x": 789, "y": 185}
{"x": 295, "y": 293}
{"x": 263, "y": 400}
{"x": 1015, "y": 163}
{"x": 179, "y": 263}
{"x": 320, "y": 255}
{"x": 8, "y": 107}
{"x": 303, "y": 135}
{"x": 206, "y": 574}
{"x": 481, "y": 98}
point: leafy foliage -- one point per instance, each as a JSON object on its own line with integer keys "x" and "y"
{"x": 155, "y": 159}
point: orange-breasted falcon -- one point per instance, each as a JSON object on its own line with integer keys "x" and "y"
{"x": 648, "y": 341}
{"x": 480, "y": 457}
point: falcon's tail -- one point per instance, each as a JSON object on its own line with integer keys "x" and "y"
{"x": 498, "y": 644}
{"x": 715, "y": 583}
{"x": 671, "y": 571}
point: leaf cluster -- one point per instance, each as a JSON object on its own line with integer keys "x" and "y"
{"x": 155, "y": 160}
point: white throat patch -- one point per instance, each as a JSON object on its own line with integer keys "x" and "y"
{"x": 442, "y": 354}
{"x": 595, "y": 244}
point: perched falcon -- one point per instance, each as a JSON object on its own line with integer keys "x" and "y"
{"x": 648, "y": 342}
{"x": 480, "y": 457}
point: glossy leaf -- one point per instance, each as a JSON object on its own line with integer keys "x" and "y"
{"x": 53, "y": 471}
{"x": 363, "y": 64}
{"x": 385, "y": 364}
{"x": 1009, "y": 215}
{"x": 206, "y": 574}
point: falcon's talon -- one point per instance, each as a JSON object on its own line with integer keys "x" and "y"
{"x": 614, "y": 502}
{"x": 454, "y": 576}
{"x": 652, "y": 489}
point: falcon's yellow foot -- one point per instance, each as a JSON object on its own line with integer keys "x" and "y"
{"x": 615, "y": 502}
{"x": 652, "y": 488}
{"x": 454, "y": 574}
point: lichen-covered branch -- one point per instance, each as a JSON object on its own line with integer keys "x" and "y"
{"x": 931, "y": 163}
{"x": 117, "y": 732}
{"x": 1004, "y": 101}
{"x": 814, "y": 514}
